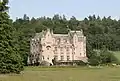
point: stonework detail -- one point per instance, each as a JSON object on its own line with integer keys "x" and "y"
{"x": 46, "y": 46}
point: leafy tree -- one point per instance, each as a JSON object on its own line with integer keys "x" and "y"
{"x": 94, "y": 59}
{"x": 10, "y": 60}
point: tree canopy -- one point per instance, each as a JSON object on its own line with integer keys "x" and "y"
{"x": 99, "y": 31}
{"x": 10, "y": 60}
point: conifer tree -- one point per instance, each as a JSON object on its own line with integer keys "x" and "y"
{"x": 10, "y": 60}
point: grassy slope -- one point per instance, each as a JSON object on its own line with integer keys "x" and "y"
{"x": 117, "y": 54}
{"x": 65, "y": 74}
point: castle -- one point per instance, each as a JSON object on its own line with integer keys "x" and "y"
{"x": 46, "y": 46}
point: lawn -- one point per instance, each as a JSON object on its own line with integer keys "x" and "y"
{"x": 65, "y": 74}
{"x": 117, "y": 54}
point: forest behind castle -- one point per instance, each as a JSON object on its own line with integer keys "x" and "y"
{"x": 100, "y": 32}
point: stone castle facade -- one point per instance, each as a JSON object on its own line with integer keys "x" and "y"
{"x": 46, "y": 46}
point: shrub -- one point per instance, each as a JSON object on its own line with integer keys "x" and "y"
{"x": 45, "y": 63}
{"x": 107, "y": 57}
{"x": 80, "y": 63}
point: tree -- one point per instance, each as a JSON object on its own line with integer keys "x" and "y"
{"x": 10, "y": 60}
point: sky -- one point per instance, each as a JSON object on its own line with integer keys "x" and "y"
{"x": 78, "y": 8}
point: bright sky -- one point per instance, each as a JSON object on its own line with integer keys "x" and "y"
{"x": 78, "y": 8}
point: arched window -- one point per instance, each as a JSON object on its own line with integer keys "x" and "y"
{"x": 48, "y": 47}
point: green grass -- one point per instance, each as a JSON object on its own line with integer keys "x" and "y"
{"x": 117, "y": 54}
{"x": 65, "y": 74}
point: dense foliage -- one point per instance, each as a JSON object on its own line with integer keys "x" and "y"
{"x": 10, "y": 60}
{"x": 99, "y": 31}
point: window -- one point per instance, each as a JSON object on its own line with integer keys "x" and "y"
{"x": 85, "y": 54}
{"x": 55, "y": 48}
{"x": 48, "y": 57}
{"x": 62, "y": 53}
{"x": 74, "y": 53}
{"x": 43, "y": 44}
{"x": 56, "y": 57}
{"x": 32, "y": 55}
{"x": 75, "y": 39}
{"x": 61, "y": 49}
{"x": 62, "y": 58}
{"x": 37, "y": 45}
{"x": 32, "y": 44}
{"x": 68, "y": 53}
{"x": 68, "y": 58}
{"x": 43, "y": 58}
{"x": 36, "y": 55}
{"x": 80, "y": 54}
{"x": 48, "y": 47}
{"x": 67, "y": 49}
{"x": 55, "y": 52}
